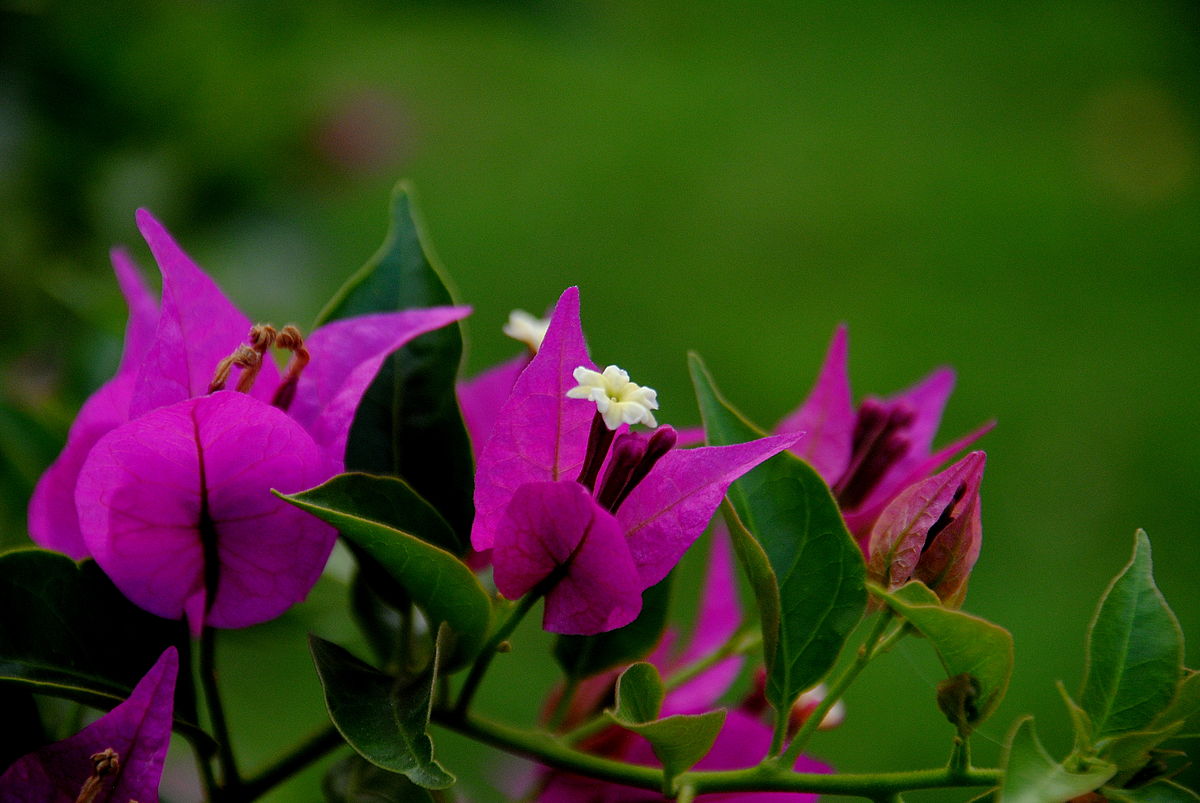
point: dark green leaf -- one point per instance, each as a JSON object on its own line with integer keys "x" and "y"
{"x": 436, "y": 580}
{"x": 966, "y": 645}
{"x": 356, "y": 780}
{"x": 1134, "y": 651}
{"x": 408, "y": 423}
{"x": 584, "y": 656}
{"x": 70, "y": 633}
{"x": 390, "y": 501}
{"x": 22, "y": 732}
{"x": 819, "y": 568}
{"x": 384, "y": 718}
{"x": 380, "y": 623}
{"x": 678, "y": 741}
{"x": 1032, "y": 776}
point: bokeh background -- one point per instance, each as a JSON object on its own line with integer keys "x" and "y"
{"x": 1012, "y": 189}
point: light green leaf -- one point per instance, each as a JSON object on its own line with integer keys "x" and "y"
{"x": 584, "y": 656}
{"x": 966, "y": 645}
{"x": 1081, "y": 725}
{"x": 408, "y": 423}
{"x": 445, "y": 589}
{"x": 678, "y": 741}
{"x": 1032, "y": 776}
{"x": 818, "y": 567}
{"x": 1134, "y": 651}
{"x": 384, "y": 718}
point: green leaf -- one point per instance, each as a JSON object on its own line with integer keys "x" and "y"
{"x": 1134, "y": 651}
{"x": 818, "y": 567}
{"x": 1132, "y": 750}
{"x": 356, "y": 780}
{"x": 1081, "y": 725}
{"x": 966, "y": 645}
{"x": 1158, "y": 792}
{"x": 70, "y": 633}
{"x": 1032, "y": 776}
{"x": 384, "y": 718}
{"x": 584, "y": 656}
{"x": 678, "y": 741}
{"x": 408, "y": 423}
{"x": 762, "y": 579}
{"x": 445, "y": 589}
{"x": 392, "y": 502}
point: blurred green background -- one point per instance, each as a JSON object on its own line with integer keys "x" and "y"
{"x": 1012, "y": 190}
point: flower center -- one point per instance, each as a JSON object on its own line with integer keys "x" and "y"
{"x": 105, "y": 764}
{"x": 249, "y": 359}
{"x": 632, "y": 455}
{"x": 880, "y": 440}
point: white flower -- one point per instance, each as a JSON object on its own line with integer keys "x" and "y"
{"x": 527, "y": 328}
{"x": 617, "y": 399}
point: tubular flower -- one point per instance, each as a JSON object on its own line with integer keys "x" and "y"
{"x": 118, "y": 758}
{"x": 592, "y": 514}
{"x": 482, "y": 396}
{"x": 932, "y": 532}
{"x": 744, "y": 739}
{"x": 869, "y": 455}
{"x": 166, "y": 475}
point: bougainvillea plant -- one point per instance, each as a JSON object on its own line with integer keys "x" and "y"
{"x": 203, "y": 488}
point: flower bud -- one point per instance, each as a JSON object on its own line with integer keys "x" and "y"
{"x": 931, "y": 532}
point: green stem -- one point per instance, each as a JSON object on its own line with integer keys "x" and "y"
{"x": 740, "y": 643}
{"x": 546, "y": 749}
{"x": 563, "y": 706}
{"x": 484, "y": 660}
{"x": 230, "y": 780}
{"x": 687, "y": 794}
{"x": 300, "y": 757}
{"x": 960, "y": 756}
{"x": 869, "y": 649}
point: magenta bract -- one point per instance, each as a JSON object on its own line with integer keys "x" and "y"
{"x": 540, "y": 438}
{"x": 163, "y": 496}
{"x": 137, "y": 731}
{"x": 181, "y": 463}
{"x": 932, "y": 532}
{"x": 869, "y": 455}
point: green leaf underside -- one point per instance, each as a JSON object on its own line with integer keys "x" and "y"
{"x": 382, "y": 717}
{"x": 584, "y": 656}
{"x": 1134, "y": 651}
{"x": 78, "y": 637}
{"x": 678, "y": 741}
{"x": 445, "y": 589}
{"x": 1158, "y": 792}
{"x": 761, "y": 576}
{"x": 408, "y": 423}
{"x": 356, "y": 780}
{"x": 965, "y": 644}
{"x": 818, "y": 568}
{"x": 1032, "y": 776}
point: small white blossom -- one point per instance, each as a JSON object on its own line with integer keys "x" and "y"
{"x": 617, "y": 399}
{"x": 529, "y": 329}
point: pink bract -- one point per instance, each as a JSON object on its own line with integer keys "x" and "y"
{"x": 870, "y": 454}
{"x": 171, "y": 353}
{"x": 138, "y": 730}
{"x": 539, "y": 439}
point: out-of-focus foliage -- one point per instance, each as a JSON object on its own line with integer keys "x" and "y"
{"x": 1013, "y": 190}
